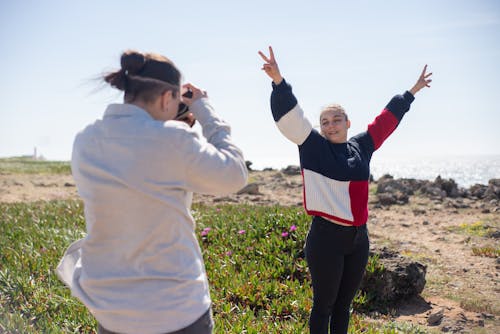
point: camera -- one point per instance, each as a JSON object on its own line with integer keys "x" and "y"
{"x": 183, "y": 108}
{"x": 183, "y": 111}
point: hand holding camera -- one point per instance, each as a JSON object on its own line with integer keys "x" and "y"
{"x": 192, "y": 93}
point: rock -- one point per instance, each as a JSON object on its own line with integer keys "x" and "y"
{"x": 448, "y": 185}
{"x": 435, "y": 318}
{"x": 385, "y": 177}
{"x": 291, "y": 170}
{"x": 278, "y": 176}
{"x": 224, "y": 199}
{"x": 68, "y": 184}
{"x": 389, "y": 185}
{"x": 248, "y": 164}
{"x": 495, "y": 234}
{"x": 457, "y": 203}
{"x": 493, "y": 190}
{"x": 391, "y": 191}
{"x": 396, "y": 278}
{"x": 251, "y": 189}
{"x": 433, "y": 191}
{"x": 478, "y": 190}
{"x": 392, "y": 198}
{"x": 417, "y": 212}
{"x": 488, "y": 315}
{"x": 386, "y": 199}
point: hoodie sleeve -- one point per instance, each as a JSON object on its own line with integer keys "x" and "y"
{"x": 215, "y": 164}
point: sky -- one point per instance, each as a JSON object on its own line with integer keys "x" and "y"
{"x": 356, "y": 53}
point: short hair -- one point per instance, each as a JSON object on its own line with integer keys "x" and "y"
{"x": 335, "y": 108}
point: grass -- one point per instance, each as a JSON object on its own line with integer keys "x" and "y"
{"x": 486, "y": 251}
{"x": 26, "y": 165}
{"x": 481, "y": 229}
{"x": 253, "y": 255}
{"x": 478, "y": 229}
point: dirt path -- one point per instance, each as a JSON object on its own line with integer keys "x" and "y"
{"x": 462, "y": 294}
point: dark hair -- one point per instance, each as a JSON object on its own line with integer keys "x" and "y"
{"x": 144, "y": 76}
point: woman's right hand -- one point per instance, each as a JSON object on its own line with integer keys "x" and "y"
{"x": 197, "y": 93}
{"x": 271, "y": 67}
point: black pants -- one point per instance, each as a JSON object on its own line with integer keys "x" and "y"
{"x": 337, "y": 257}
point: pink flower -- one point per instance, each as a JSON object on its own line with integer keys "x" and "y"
{"x": 293, "y": 228}
{"x": 205, "y": 231}
{"x": 241, "y": 232}
{"x": 229, "y": 253}
{"x": 284, "y": 234}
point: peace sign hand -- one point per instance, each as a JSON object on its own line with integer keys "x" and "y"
{"x": 423, "y": 81}
{"x": 271, "y": 67}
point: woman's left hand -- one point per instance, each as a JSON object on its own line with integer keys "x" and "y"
{"x": 423, "y": 81}
{"x": 197, "y": 93}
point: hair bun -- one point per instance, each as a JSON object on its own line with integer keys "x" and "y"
{"x": 132, "y": 61}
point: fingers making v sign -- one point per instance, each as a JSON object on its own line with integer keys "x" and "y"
{"x": 271, "y": 66}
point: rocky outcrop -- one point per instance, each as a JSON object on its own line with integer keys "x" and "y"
{"x": 251, "y": 189}
{"x": 291, "y": 170}
{"x": 391, "y": 278}
{"x": 248, "y": 164}
{"x": 396, "y": 191}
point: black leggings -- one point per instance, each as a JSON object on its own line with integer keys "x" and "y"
{"x": 337, "y": 257}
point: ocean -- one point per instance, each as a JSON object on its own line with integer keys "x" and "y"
{"x": 465, "y": 170}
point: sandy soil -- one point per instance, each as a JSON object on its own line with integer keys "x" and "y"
{"x": 462, "y": 294}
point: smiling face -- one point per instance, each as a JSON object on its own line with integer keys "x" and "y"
{"x": 334, "y": 124}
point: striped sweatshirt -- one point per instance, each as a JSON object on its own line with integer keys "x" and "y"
{"x": 335, "y": 176}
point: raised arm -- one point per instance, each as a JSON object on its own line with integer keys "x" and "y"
{"x": 423, "y": 81}
{"x": 287, "y": 113}
{"x": 385, "y": 123}
{"x": 215, "y": 166}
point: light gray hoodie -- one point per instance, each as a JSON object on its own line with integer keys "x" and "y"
{"x": 140, "y": 268}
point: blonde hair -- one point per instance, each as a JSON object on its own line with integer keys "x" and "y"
{"x": 334, "y": 107}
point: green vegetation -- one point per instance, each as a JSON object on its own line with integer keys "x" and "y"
{"x": 487, "y": 251}
{"x": 258, "y": 276}
{"x": 479, "y": 229}
{"x": 484, "y": 230}
{"x": 27, "y": 165}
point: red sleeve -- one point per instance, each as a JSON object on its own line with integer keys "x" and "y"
{"x": 385, "y": 123}
{"x": 382, "y": 127}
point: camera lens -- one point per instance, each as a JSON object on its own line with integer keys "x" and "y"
{"x": 183, "y": 108}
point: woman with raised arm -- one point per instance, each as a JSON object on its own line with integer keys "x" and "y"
{"x": 140, "y": 269}
{"x": 335, "y": 173}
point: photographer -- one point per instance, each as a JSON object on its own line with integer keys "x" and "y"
{"x": 140, "y": 269}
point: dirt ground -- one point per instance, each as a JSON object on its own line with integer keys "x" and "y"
{"x": 462, "y": 294}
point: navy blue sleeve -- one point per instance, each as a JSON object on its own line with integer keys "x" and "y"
{"x": 282, "y": 100}
{"x": 364, "y": 141}
{"x": 400, "y": 104}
